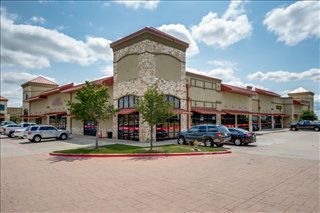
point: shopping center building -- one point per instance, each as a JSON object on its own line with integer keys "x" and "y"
{"x": 149, "y": 57}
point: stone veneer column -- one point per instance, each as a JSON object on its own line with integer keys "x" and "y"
{"x": 146, "y": 51}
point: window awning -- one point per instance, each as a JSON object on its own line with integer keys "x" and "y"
{"x": 126, "y": 111}
{"x": 180, "y": 111}
{"x": 55, "y": 113}
{"x": 236, "y": 112}
{"x": 2, "y": 116}
{"x": 68, "y": 115}
{"x": 31, "y": 116}
{"x": 281, "y": 114}
{"x": 206, "y": 110}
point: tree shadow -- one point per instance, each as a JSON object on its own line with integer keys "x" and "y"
{"x": 58, "y": 159}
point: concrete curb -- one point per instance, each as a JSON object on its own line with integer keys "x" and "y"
{"x": 139, "y": 155}
{"x": 271, "y": 132}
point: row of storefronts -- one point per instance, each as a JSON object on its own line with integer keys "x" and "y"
{"x": 150, "y": 56}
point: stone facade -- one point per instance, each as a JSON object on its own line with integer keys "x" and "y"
{"x": 146, "y": 51}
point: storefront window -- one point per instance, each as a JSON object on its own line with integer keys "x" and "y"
{"x": 128, "y": 126}
{"x": 277, "y": 122}
{"x": 173, "y": 100}
{"x": 228, "y": 120}
{"x": 169, "y": 129}
{"x": 243, "y": 121}
{"x": 129, "y": 101}
{"x": 265, "y": 122}
{"x": 202, "y": 119}
{"x": 89, "y": 128}
{"x": 58, "y": 121}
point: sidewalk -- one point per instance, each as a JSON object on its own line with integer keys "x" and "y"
{"x": 270, "y": 131}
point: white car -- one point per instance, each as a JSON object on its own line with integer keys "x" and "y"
{"x": 37, "y": 133}
{"x": 9, "y": 129}
{"x": 19, "y": 133}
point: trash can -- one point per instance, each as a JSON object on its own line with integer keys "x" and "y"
{"x": 109, "y": 134}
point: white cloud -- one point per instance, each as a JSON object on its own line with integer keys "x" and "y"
{"x": 34, "y": 47}
{"x": 296, "y": 22}
{"x": 38, "y": 20}
{"x": 144, "y": 4}
{"x": 107, "y": 70}
{"x": 285, "y": 76}
{"x": 11, "y": 85}
{"x": 231, "y": 28}
{"x": 181, "y": 32}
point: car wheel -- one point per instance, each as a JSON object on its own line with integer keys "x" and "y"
{"x": 237, "y": 142}
{"x": 208, "y": 143}
{"x": 37, "y": 138}
{"x": 10, "y": 135}
{"x": 219, "y": 144}
{"x": 316, "y": 129}
{"x": 294, "y": 129}
{"x": 181, "y": 140}
{"x": 63, "y": 136}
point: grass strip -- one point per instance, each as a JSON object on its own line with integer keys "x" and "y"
{"x": 127, "y": 149}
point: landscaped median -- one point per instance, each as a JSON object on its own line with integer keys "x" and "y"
{"x": 121, "y": 150}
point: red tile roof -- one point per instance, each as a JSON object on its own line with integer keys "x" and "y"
{"x": 56, "y": 90}
{"x": 238, "y": 90}
{"x": 266, "y": 92}
{"x": 3, "y": 98}
{"x": 151, "y": 31}
{"x": 105, "y": 81}
{"x": 41, "y": 80}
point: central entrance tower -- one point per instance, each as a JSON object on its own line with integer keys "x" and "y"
{"x": 141, "y": 59}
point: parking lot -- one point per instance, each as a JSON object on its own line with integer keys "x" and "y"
{"x": 279, "y": 173}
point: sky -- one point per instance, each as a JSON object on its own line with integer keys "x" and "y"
{"x": 272, "y": 45}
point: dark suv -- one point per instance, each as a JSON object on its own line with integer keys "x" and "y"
{"x": 209, "y": 135}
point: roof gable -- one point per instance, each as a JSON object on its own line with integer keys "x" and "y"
{"x": 151, "y": 34}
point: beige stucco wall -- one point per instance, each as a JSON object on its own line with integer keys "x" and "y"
{"x": 168, "y": 67}
{"x": 234, "y": 101}
{"x": 147, "y": 52}
{"x": 128, "y": 67}
{"x": 38, "y": 107}
{"x": 309, "y": 97}
{"x": 265, "y": 104}
{"x": 58, "y": 102}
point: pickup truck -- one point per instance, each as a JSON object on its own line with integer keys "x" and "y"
{"x": 209, "y": 135}
{"x": 305, "y": 125}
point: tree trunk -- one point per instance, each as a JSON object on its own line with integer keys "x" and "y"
{"x": 97, "y": 135}
{"x": 151, "y": 142}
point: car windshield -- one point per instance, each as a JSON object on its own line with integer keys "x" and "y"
{"x": 242, "y": 130}
{"x": 223, "y": 129}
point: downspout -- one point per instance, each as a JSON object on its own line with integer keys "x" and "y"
{"x": 188, "y": 108}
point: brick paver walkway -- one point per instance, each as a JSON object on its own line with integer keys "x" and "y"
{"x": 238, "y": 182}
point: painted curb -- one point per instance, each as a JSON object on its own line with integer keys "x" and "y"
{"x": 138, "y": 155}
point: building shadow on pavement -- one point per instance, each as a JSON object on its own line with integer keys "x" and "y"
{"x": 57, "y": 159}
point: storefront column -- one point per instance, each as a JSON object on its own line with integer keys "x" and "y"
{"x": 236, "y": 121}
{"x": 250, "y": 123}
{"x": 272, "y": 122}
{"x": 218, "y": 119}
{"x": 259, "y": 122}
{"x": 282, "y": 122}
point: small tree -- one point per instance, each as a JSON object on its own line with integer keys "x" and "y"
{"x": 15, "y": 118}
{"x": 93, "y": 104}
{"x": 154, "y": 109}
{"x": 308, "y": 115}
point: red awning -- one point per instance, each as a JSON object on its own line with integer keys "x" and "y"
{"x": 126, "y": 111}
{"x": 55, "y": 113}
{"x": 2, "y": 116}
{"x": 281, "y": 114}
{"x": 236, "y": 112}
{"x": 31, "y": 116}
{"x": 68, "y": 115}
{"x": 180, "y": 111}
{"x": 206, "y": 110}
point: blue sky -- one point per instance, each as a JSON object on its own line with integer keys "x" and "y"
{"x": 272, "y": 44}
